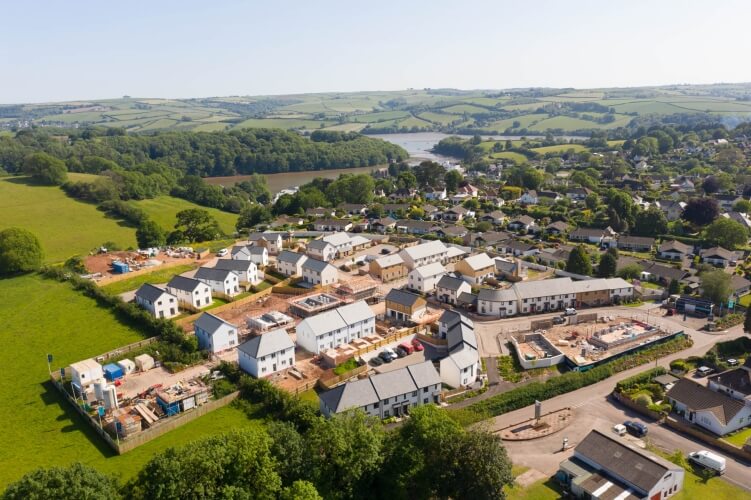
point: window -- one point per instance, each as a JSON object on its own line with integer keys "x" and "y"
{"x": 425, "y": 400}
{"x": 414, "y": 394}
{"x": 424, "y": 389}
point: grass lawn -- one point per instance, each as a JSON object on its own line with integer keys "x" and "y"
{"x": 65, "y": 227}
{"x": 717, "y": 489}
{"x": 510, "y": 155}
{"x": 158, "y": 276}
{"x": 649, "y": 284}
{"x": 163, "y": 211}
{"x": 739, "y": 438}
{"x": 39, "y": 428}
{"x": 545, "y": 489}
{"x": 561, "y": 148}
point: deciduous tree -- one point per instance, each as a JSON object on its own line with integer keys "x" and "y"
{"x": 20, "y": 251}
{"x": 701, "y": 211}
{"x": 73, "y": 482}
{"x": 46, "y": 169}
{"x": 578, "y": 262}
{"x": 726, "y": 233}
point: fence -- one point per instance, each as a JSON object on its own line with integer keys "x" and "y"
{"x": 146, "y": 270}
{"x": 125, "y": 349}
{"x": 331, "y": 382}
{"x": 225, "y": 307}
{"x": 636, "y": 407}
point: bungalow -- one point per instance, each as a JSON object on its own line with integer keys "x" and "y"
{"x": 341, "y": 242}
{"x": 487, "y": 239}
{"x": 726, "y": 201}
{"x": 435, "y": 194}
{"x": 388, "y": 268}
{"x": 517, "y": 248}
{"x": 221, "y": 280}
{"x": 606, "y": 466}
{"x": 552, "y": 256}
{"x": 287, "y": 220}
{"x": 523, "y": 222}
{"x": 715, "y": 411}
{"x": 469, "y": 190}
{"x": 383, "y": 225}
{"x": 476, "y": 269}
{"x": 214, "y": 334}
{"x": 735, "y": 382}
{"x": 321, "y": 250}
{"x": 652, "y": 271}
{"x": 495, "y": 217}
{"x": 424, "y": 253}
{"x": 318, "y": 272}
{"x": 424, "y": 279}
{"x": 556, "y": 228}
{"x": 449, "y": 288}
{"x": 267, "y": 354}
{"x": 455, "y": 214}
{"x": 395, "y": 208}
{"x": 674, "y": 250}
{"x": 332, "y": 225}
{"x": 386, "y": 394}
{"x": 405, "y": 306}
{"x": 592, "y": 235}
{"x": 452, "y": 231}
{"x": 719, "y": 257}
{"x": 159, "y": 303}
{"x": 431, "y": 212}
{"x": 332, "y": 328}
{"x": 739, "y": 285}
{"x": 320, "y": 212}
{"x": 190, "y": 292}
{"x": 403, "y": 194}
{"x": 529, "y": 198}
{"x": 353, "y": 208}
{"x": 636, "y": 243}
{"x": 272, "y": 241}
{"x": 551, "y": 196}
{"x": 414, "y": 226}
{"x": 578, "y": 194}
{"x": 245, "y": 269}
{"x": 290, "y": 263}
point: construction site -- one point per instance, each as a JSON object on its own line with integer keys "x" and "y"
{"x": 587, "y": 344}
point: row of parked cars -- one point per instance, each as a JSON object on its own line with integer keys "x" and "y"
{"x": 703, "y": 458}
{"x": 404, "y": 349}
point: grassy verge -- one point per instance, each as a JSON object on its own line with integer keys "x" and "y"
{"x": 739, "y": 438}
{"x": 158, "y": 276}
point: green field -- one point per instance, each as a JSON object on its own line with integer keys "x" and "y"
{"x": 65, "y": 227}
{"x": 510, "y": 155}
{"x": 163, "y": 210}
{"x": 561, "y": 148}
{"x": 39, "y": 428}
{"x": 156, "y": 277}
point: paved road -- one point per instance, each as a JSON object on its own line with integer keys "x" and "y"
{"x": 594, "y": 410}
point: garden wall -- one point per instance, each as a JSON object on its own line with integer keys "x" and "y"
{"x": 683, "y": 426}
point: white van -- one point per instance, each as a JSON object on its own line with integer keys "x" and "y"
{"x": 620, "y": 429}
{"x": 708, "y": 460}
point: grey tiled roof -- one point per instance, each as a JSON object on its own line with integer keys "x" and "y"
{"x": 316, "y": 265}
{"x": 212, "y": 274}
{"x": 184, "y": 283}
{"x": 149, "y": 292}
{"x": 698, "y": 397}
{"x": 267, "y": 343}
{"x": 210, "y": 323}
{"x": 401, "y": 297}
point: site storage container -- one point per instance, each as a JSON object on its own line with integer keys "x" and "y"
{"x": 113, "y": 372}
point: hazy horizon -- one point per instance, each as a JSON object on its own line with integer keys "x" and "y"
{"x": 91, "y": 51}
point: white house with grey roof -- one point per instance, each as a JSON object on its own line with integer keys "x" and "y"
{"x": 318, "y": 272}
{"x": 256, "y": 254}
{"x": 387, "y": 394}
{"x": 462, "y": 365}
{"x": 290, "y": 263}
{"x": 500, "y": 303}
{"x": 450, "y": 287}
{"x": 425, "y": 278}
{"x": 272, "y": 241}
{"x": 321, "y": 250}
{"x": 190, "y": 292}
{"x": 160, "y": 303}
{"x": 545, "y": 295}
{"x": 424, "y": 254}
{"x": 266, "y": 354}
{"x": 220, "y": 280}
{"x": 245, "y": 269}
{"x": 214, "y": 334}
{"x": 341, "y": 242}
{"x": 335, "y": 327}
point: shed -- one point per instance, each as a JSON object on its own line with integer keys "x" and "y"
{"x": 144, "y": 362}
{"x": 112, "y": 372}
{"x": 127, "y": 366}
{"x": 120, "y": 267}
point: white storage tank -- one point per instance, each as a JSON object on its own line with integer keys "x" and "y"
{"x": 127, "y": 365}
{"x": 99, "y": 387}
{"x": 110, "y": 397}
{"x": 144, "y": 362}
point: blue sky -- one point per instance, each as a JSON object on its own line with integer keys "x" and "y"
{"x": 53, "y": 50}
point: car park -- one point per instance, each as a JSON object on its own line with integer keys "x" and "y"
{"x": 417, "y": 345}
{"x": 708, "y": 460}
{"x": 635, "y": 428}
{"x": 375, "y": 361}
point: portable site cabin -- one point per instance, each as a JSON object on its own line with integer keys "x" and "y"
{"x": 127, "y": 366}
{"x": 113, "y": 372}
{"x": 120, "y": 267}
{"x": 144, "y": 362}
{"x": 85, "y": 372}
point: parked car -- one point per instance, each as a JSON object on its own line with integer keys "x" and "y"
{"x": 407, "y": 347}
{"x": 400, "y": 351}
{"x": 570, "y": 311}
{"x": 417, "y": 345}
{"x": 732, "y": 362}
{"x": 222, "y": 252}
{"x": 385, "y": 251}
{"x": 620, "y": 429}
{"x": 703, "y": 371}
{"x": 708, "y": 460}
{"x": 635, "y": 428}
{"x": 375, "y": 361}
{"x": 387, "y": 355}
{"x": 559, "y": 320}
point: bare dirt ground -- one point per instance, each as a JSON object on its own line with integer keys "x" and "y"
{"x": 102, "y": 263}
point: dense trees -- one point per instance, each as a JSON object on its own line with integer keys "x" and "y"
{"x": 194, "y": 224}
{"x": 607, "y": 266}
{"x": 20, "y": 251}
{"x": 149, "y": 234}
{"x": 45, "y": 169}
{"x": 726, "y": 233}
{"x": 715, "y": 285}
{"x": 452, "y": 180}
{"x": 578, "y": 261}
{"x": 68, "y": 483}
{"x": 650, "y": 222}
{"x": 701, "y": 211}
{"x": 252, "y": 216}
